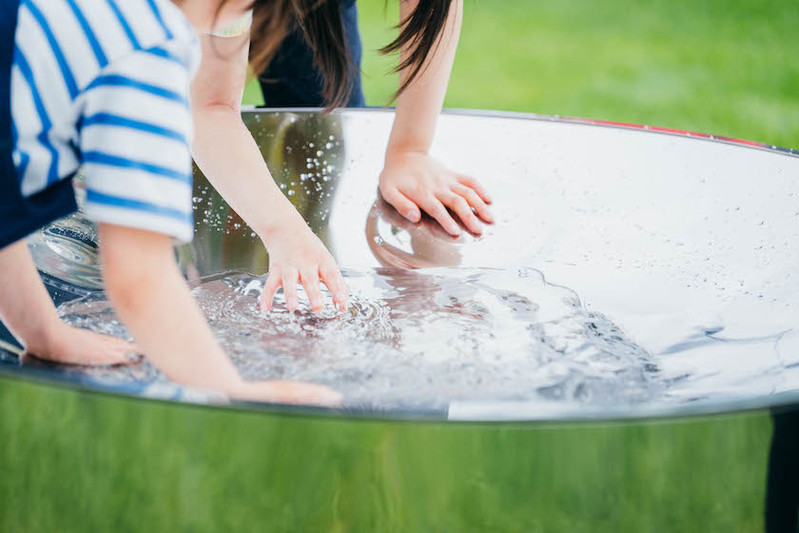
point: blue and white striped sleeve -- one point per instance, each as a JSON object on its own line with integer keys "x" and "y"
{"x": 135, "y": 138}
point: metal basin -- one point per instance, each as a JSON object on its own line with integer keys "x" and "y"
{"x": 686, "y": 241}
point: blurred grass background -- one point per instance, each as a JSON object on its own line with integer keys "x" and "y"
{"x": 84, "y": 462}
{"x": 722, "y": 67}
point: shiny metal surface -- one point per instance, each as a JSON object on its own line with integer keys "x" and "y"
{"x": 683, "y": 240}
{"x": 124, "y": 464}
{"x": 626, "y": 218}
{"x": 662, "y": 231}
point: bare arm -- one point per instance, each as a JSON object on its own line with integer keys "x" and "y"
{"x": 151, "y": 298}
{"x": 28, "y": 312}
{"x": 419, "y": 106}
{"x": 223, "y": 147}
{"x": 410, "y": 178}
{"x": 229, "y": 157}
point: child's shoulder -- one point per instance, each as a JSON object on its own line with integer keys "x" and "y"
{"x": 110, "y": 28}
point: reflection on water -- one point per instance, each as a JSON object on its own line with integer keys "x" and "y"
{"x": 421, "y": 339}
{"x": 67, "y": 250}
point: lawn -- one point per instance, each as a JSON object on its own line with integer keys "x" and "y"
{"x": 83, "y": 462}
{"x": 722, "y": 67}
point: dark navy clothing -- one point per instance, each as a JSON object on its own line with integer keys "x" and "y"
{"x": 20, "y": 216}
{"x": 100, "y": 86}
{"x": 292, "y": 79}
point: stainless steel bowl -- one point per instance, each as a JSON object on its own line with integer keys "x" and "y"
{"x": 679, "y": 237}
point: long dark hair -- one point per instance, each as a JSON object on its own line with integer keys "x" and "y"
{"x": 321, "y": 23}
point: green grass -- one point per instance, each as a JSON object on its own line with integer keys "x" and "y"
{"x": 722, "y": 67}
{"x": 76, "y": 462}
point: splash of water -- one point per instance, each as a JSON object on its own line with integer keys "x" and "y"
{"x": 420, "y": 339}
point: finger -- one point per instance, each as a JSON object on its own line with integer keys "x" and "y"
{"x": 475, "y": 202}
{"x": 122, "y": 344}
{"x": 304, "y": 393}
{"x": 332, "y": 278}
{"x": 475, "y": 186}
{"x": 271, "y": 286}
{"x": 127, "y": 350}
{"x": 116, "y": 352}
{"x": 310, "y": 280}
{"x": 464, "y": 211}
{"x": 289, "y": 278}
{"x": 436, "y": 209}
{"x": 404, "y": 206}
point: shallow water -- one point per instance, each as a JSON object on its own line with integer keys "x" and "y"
{"x": 686, "y": 274}
{"x": 420, "y": 339}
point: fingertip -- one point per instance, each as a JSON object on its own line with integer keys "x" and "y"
{"x": 338, "y": 300}
{"x": 482, "y": 193}
{"x": 329, "y": 398}
{"x": 485, "y": 213}
{"x": 414, "y": 215}
{"x": 454, "y": 230}
{"x": 336, "y": 399}
{"x": 267, "y": 298}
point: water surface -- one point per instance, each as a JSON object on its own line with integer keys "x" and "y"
{"x": 420, "y": 339}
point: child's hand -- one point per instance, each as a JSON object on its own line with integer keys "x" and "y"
{"x": 296, "y": 254}
{"x": 411, "y": 181}
{"x": 288, "y": 392}
{"x": 64, "y": 344}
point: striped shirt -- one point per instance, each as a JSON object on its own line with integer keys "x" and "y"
{"x": 103, "y": 85}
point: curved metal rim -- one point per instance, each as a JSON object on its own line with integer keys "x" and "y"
{"x": 568, "y": 415}
{"x": 517, "y": 115}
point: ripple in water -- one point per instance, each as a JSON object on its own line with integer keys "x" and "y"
{"x": 419, "y": 339}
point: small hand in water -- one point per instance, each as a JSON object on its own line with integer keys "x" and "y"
{"x": 414, "y": 180}
{"x": 293, "y": 392}
{"x": 296, "y": 254}
{"x": 65, "y": 344}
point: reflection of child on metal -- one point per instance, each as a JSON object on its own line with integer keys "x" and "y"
{"x": 104, "y": 85}
{"x": 429, "y": 245}
{"x": 310, "y": 58}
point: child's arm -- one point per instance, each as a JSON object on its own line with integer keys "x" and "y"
{"x": 151, "y": 298}
{"x": 227, "y": 154}
{"x": 28, "y": 312}
{"x": 411, "y": 179}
